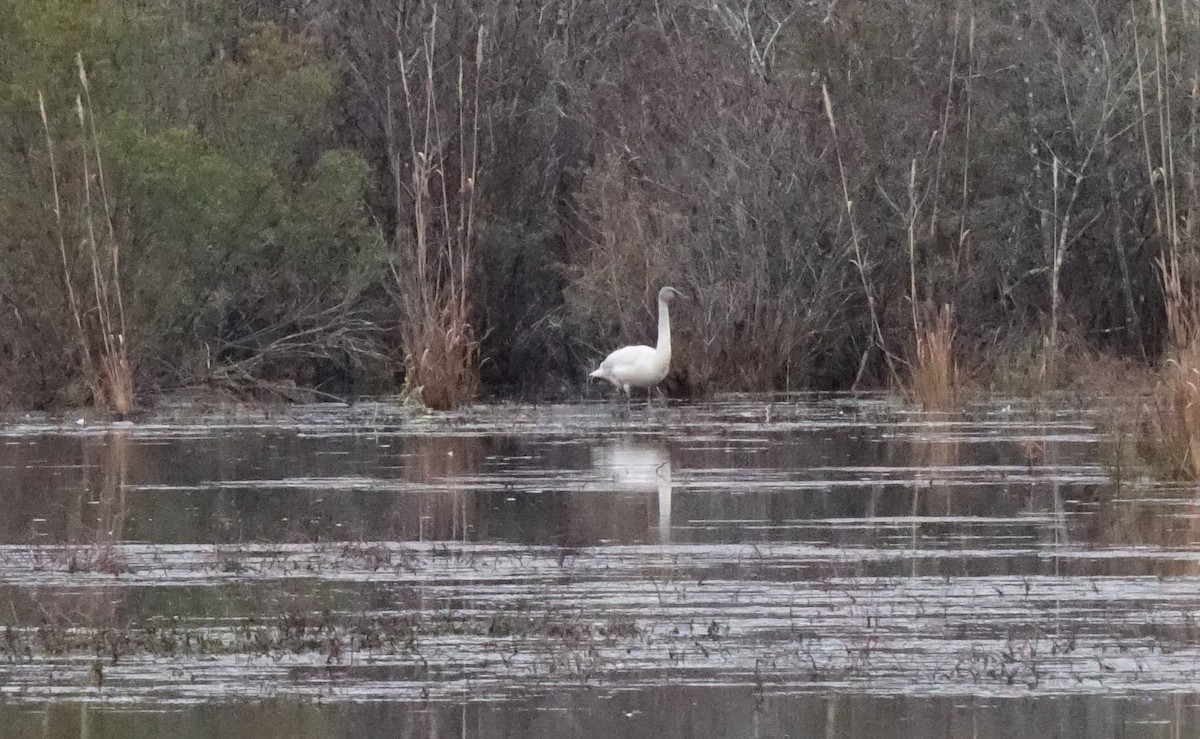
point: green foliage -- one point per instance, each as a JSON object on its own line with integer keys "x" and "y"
{"x": 244, "y": 222}
{"x": 250, "y": 240}
{"x": 268, "y": 101}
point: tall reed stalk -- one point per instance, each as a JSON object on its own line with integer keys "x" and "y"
{"x": 876, "y": 336}
{"x": 1173, "y": 444}
{"x": 441, "y": 346}
{"x": 933, "y": 374}
{"x": 932, "y": 380}
{"x": 94, "y": 300}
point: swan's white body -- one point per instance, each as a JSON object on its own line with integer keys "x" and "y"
{"x": 642, "y": 366}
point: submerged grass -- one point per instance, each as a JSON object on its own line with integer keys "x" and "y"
{"x": 505, "y": 618}
{"x": 879, "y": 603}
{"x": 291, "y": 623}
{"x": 325, "y": 634}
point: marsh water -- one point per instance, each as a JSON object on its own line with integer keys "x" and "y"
{"x": 801, "y": 565}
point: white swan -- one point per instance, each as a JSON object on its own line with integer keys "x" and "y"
{"x": 641, "y": 366}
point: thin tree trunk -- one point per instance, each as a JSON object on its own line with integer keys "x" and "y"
{"x": 1118, "y": 241}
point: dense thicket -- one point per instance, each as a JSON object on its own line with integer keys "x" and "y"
{"x": 344, "y": 194}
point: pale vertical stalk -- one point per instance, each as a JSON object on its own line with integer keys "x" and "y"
{"x": 417, "y": 160}
{"x": 428, "y": 286}
{"x": 72, "y": 301}
{"x": 1164, "y": 127}
{"x": 99, "y": 284}
{"x": 876, "y": 331}
{"x": 912, "y": 245}
{"x": 1193, "y": 206}
{"x": 114, "y": 245}
{"x": 966, "y": 161}
{"x": 115, "y": 378}
{"x": 1143, "y": 116}
{"x": 1048, "y": 360}
{"x": 937, "y": 170}
{"x": 475, "y": 126}
{"x": 461, "y": 266}
{"x": 1168, "y": 132}
{"x": 472, "y": 169}
{"x": 437, "y": 149}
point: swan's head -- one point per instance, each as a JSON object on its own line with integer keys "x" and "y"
{"x": 667, "y": 294}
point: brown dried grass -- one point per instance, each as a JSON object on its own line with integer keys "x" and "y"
{"x": 933, "y": 379}
{"x": 1171, "y": 438}
{"x": 442, "y": 358}
{"x": 442, "y": 350}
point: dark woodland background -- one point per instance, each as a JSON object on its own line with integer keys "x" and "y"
{"x": 479, "y": 197}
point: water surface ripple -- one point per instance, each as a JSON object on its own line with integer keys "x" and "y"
{"x": 769, "y": 551}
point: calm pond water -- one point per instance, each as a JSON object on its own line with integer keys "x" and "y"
{"x": 799, "y": 565}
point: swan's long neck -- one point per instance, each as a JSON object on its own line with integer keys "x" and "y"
{"x": 663, "y": 350}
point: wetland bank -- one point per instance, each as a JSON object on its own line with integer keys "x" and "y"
{"x": 810, "y": 565}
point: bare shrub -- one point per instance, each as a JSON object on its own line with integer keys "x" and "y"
{"x": 722, "y": 189}
{"x": 625, "y": 244}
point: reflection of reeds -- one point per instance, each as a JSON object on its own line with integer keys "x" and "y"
{"x": 438, "y": 464}
{"x": 96, "y": 540}
{"x": 933, "y": 458}
{"x": 1133, "y": 524}
{"x": 86, "y": 621}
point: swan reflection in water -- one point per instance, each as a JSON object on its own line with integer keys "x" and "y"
{"x": 639, "y": 466}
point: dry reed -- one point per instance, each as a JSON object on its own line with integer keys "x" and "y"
{"x": 440, "y": 344}
{"x": 876, "y": 336}
{"x": 933, "y": 379}
{"x": 96, "y": 303}
{"x": 1173, "y": 442}
{"x": 1170, "y": 430}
